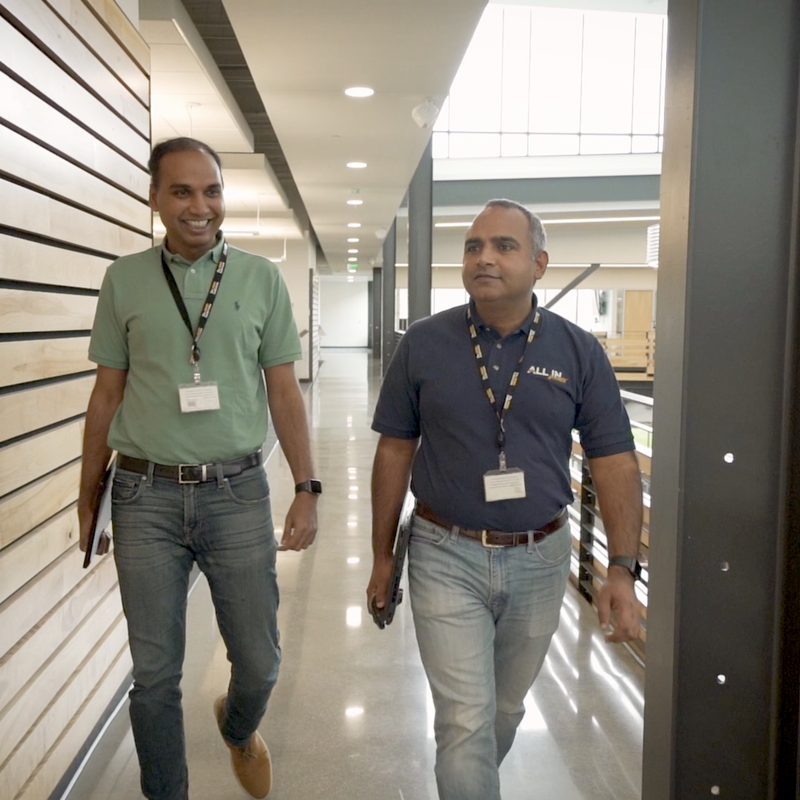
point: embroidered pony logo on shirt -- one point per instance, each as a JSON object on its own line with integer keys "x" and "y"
{"x": 551, "y": 375}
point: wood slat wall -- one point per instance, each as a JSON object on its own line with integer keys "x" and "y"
{"x": 74, "y": 142}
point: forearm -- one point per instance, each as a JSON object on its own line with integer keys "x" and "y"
{"x": 390, "y": 475}
{"x": 103, "y": 404}
{"x": 618, "y": 483}
{"x": 290, "y": 422}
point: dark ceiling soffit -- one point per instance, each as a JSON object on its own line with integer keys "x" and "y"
{"x": 211, "y": 21}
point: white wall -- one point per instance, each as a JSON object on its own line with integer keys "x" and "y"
{"x": 300, "y": 259}
{"x": 344, "y": 312}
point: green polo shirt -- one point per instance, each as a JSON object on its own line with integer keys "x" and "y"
{"x": 138, "y": 328}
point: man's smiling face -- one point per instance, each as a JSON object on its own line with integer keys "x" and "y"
{"x": 189, "y": 201}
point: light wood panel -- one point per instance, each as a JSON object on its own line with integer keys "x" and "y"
{"x": 19, "y": 562}
{"x": 31, "y": 312}
{"x": 80, "y": 19}
{"x": 47, "y": 730}
{"x": 122, "y": 29}
{"x": 17, "y": 666}
{"x": 23, "y": 510}
{"x": 52, "y": 33}
{"x": 25, "y": 609}
{"x": 74, "y": 126}
{"x": 79, "y": 728}
{"x": 30, "y": 211}
{"x": 32, "y": 458}
{"x": 35, "y": 360}
{"x": 26, "y": 260}
{"x": 31, "y": 409}
{"x": 638, "y": 312}
{"x": 44, "y": 685}
{"x": 33, "y": 164}
{"x": 41, "y": 686}
{"x": 49, "y": 80}
{"x": 36, "y": 118}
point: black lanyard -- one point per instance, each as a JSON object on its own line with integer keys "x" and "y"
{"x": 206, "y": 312}
{"x": 484, "y": 373}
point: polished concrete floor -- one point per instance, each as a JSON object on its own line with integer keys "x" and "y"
{"x": 351, "y": 717}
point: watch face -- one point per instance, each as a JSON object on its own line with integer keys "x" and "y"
{"x": 313, "y": 486}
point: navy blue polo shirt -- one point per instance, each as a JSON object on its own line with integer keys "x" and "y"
{"x": 433, "y": 390}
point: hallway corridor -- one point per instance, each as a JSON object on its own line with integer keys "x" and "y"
{"x": 351, "y": 718}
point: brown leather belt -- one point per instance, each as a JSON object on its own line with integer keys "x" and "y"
{"x": 495, "y": 538}
{"x": 191, "y": 473}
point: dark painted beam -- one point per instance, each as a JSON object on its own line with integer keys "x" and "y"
{"x": 723, "y": 648}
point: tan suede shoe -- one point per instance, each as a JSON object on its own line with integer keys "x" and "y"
{"x": 251, "y": 764}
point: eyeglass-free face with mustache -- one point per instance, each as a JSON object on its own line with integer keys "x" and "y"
{"x": 499, "y": 267}
{"x": 189, "y": 201}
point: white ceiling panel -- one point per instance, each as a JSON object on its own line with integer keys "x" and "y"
{"x": 303, "y": 54}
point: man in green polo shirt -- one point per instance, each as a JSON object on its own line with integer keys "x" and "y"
{"x": 185, "y": 338}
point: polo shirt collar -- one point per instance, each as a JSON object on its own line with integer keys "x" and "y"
{"x": 212, "y": 255}
{"x": 524, "y": 328}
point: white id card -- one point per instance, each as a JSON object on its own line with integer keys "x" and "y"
{"x": 199, "y": 397}
{"x": 504, "y": 484}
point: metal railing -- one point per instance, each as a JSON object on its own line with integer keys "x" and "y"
{"x": 589, "y": 564}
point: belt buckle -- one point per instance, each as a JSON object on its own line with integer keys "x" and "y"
{"x": 487, "y": 544}
{"x": 203, "y": 473}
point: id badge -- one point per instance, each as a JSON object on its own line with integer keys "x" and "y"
{"x": 199, "y": 397}
{"x": 504, "y": 484}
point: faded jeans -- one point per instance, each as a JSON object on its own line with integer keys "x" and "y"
{"x": 484, "y": 618}
{"x": 160, "y": 529}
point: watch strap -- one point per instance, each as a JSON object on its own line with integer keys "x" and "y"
{"x": 312, "y": 486}
{"x": 628, "y": 562}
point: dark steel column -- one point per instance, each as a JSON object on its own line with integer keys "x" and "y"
{"x": 387, "y": 315}
{"x": 420, "y": 238}
{"x": 377, "y": 305}
{"x": 722, "y": 681}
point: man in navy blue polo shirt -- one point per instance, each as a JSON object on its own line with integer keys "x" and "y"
{"x": 481, "y": 401}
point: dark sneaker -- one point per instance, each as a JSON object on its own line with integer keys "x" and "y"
{"x": 251, "y": 764}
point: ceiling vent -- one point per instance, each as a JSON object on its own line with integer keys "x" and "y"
{"x": 653, "y": 238}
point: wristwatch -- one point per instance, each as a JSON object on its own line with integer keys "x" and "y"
{"x": 312, "y": 485}
{"x": 630, "y": 563}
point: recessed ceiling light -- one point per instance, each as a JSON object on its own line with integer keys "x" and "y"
{"x": 355, "y": 202}
{"x": 353, "y": 224}
{"x": 354, "y": 250}
{"x": 352, "y": 258}
{"x": 354, "y": 240}
{"x": 359, "y": 91}
{"x": 357, "y": 164}
{"x": 351, "y": 279}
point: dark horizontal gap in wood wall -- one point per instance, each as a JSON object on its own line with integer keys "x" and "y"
{"x": 97, "y": 55}
{"x": 55, "y": 288}
{"x": 39, "y": 478}
{"x": 20, "y": 387}
{"x": 116, "y": 38}
{"x": 33, "y": 336}
{"x": 6, "y": 230}
{"x": 52, "y": 426}
{"x": 74, "y": 161}
{"x": 56, "y": 59}
{"x": 67, "y": 202}
{"x": 49, "y": 100}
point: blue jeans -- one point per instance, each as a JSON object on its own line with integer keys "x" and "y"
{"x": 160, "y": 529}
{"x": 484, "y": 618}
